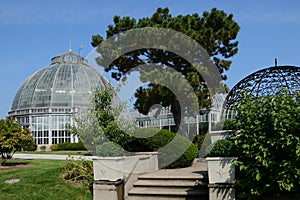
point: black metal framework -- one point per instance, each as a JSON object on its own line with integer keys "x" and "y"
{"x": 266, "y": 82}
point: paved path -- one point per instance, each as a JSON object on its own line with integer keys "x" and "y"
{"x": 50, "y": 156}
{"x": 198, "y": 169}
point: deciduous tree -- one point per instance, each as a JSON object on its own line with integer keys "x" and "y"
{"x": 13, "y": 138}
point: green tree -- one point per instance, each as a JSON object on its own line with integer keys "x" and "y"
{"x": 215, "y": 31}
{"x": 269, "y": 145}
{"x": 13, "y": 138}
{"x": 98, "y": 124}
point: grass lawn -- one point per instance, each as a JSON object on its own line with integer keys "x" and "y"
{"x": 39, "y": 180}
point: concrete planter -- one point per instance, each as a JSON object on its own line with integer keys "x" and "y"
{"x": 117, "y": 168}
{"x": 218, "y": 135}
{"x": 108, "y": 168}
{"x": 220, "y": 170}
{"x": 114, "y": 176}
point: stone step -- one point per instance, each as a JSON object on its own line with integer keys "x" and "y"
{"x": 166, "y": 198}
{"x": 166, "y": 183}
{"x": 170, "y": 177}
{"x": 178, "y": 184}
{"x": 164, "y": 193}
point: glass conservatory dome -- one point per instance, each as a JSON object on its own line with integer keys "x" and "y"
{"x": 47, "y": 100}
{"x": 67, "y": 82}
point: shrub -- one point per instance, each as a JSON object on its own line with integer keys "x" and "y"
{"x": 31, "y": 147}
{"x": 75, "y": 146}
{"x": 221, "y": 148}
{"x": 149, "y": 139}
{"x": 54, "y": 147}
{"x": 185, "y": 160}
{"x": 269, "y": 144}
{"x": 200, "y": 140}
{"x": 79, "y": 171}
{"x": 43, "y": 148}
{"x": 102, "y": 120}
{"x": 68, "y": 146}
{"x": 230, "y": 124}
{"x": 116, "y": 135}
{"x": 110, "y": 149}
{"x": 157, "y": 142}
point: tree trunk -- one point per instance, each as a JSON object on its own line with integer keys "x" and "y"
{"x": 178, "y": 119}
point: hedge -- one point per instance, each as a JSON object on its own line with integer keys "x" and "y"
{"x": 68, "y": 146}
{"x": 155, "y": 140}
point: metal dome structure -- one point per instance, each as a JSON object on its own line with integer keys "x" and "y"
{"x": 46, "y": 100}
{"x": 266, "y": 82}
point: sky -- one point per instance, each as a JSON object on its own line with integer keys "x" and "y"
{"x": 34, "y": 31}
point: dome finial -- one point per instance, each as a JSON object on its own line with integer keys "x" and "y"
{"x": 70, "y": 45}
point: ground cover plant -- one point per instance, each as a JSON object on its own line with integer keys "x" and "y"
{"x": 40, "y": 179}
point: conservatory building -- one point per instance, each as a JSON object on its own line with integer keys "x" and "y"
{"x": 49, "y": 98}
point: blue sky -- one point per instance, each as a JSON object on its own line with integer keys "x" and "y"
{"x": 34, "y": 31}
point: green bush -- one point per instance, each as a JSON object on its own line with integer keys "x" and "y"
{"x": 269, "y": 145}
{"x": 200, "y": 140}
{"x": 54, "y": 147}
{"x": 221, "y": 148}
{"x": 230, "y": 124}
{"x": 150, "y": 139}
{"x": 43, "y": 148}
{"x": 110, "y": 149}
{"x": 177, "y": 146}
{"x": 75, "y": 146}
{"x": 67, "y": 146}
{"x": 79, "y": 171}
{"x": 30, "y": 147}
{"x": 225, "y": 124}
{"x": 114, "y": 134}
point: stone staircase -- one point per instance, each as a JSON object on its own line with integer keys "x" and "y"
{"x": 187, "y": 183}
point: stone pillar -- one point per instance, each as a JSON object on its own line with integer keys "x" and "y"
{"x": 104, "y": 190}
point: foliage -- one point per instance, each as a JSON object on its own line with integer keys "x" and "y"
{"x": 269, "y": 145}
{"x": 230, "y": 124}
{"x": 13, "y": 138}
{"x": 43, "y": 148}
{"x": 30, "y": 147}
{"x": 168, "y": 145}
{"x": 54, "y": 147}
{"x": 225, "y": 124}
{"x": 110, "y": 149}
{"x": 68, "y": 146}
{"x": 185, "y": 160}
{"x": 215, "y": 31}
{"x": 99, "y": 124}
{"x": 79, "y": 171}
{"x": 200, "y": 140}
{"x": 221, "y": 148}
{"x": 149, "y": 139}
